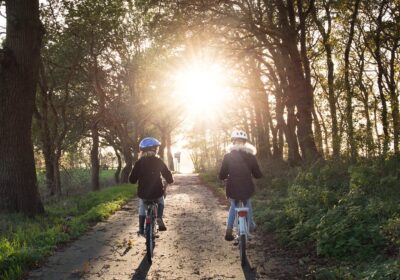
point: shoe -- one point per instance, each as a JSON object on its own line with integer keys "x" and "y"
{"x": 228, "y": 235}
{"x": 161, "y": 225}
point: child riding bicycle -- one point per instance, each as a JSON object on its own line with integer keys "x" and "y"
{"x": 238, "y": 167}
{"x": 148, "y": 171}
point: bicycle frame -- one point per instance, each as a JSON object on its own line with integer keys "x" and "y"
{"x": 242, "y": 229}
{"x": 241, "y": 221}
{"x": 151, "y": 213}
{"x": 151, "y": 216}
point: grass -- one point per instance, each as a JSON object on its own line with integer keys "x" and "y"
{"x": 210, "y": 179}
{"x": 25, "y": 242}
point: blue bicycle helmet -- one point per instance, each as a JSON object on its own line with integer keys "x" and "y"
{"x": 149, "y": 143}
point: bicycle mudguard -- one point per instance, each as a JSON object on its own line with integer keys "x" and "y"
{"x": 242, "y": 211}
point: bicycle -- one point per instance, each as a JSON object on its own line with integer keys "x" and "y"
{"x": 150, "y": 227}
{"x": 242, "y": 229}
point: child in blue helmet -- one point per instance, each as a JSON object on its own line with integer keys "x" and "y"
{"x": 147, "y": 171}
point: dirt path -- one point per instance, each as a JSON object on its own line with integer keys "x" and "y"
{"x": 192, "y": 248}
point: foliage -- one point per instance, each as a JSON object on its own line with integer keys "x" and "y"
{"x": 348, "y": 213}
{"x": 25, "y": 242}
{"x": 211, "y": 179}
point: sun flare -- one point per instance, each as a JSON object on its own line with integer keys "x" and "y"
{"x": 203, "y": 87}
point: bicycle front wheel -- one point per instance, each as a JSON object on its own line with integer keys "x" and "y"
{"x": 242, "y": 248}
{"x": 150, "y": 242}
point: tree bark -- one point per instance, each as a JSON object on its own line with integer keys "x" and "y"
{"x": 119, "y": 166}
{"x": 394, "y": 97}
{"x": 19, "y": 65}
{"x": 300, "y": 92}
{"x": 294, "y": 157}
{"x": 258, "y": 98}
{"x": 349, "y": 91}
{"x": 57, "y": 176}
{"x": 94, "y": 158}
{"x": 169, "y": 152}
{"x": 378, "y": 58}
{"x": 128, "y": 158}
{"x": 326, "y": 40}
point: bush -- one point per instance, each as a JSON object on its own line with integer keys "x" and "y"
{"x": 341, "y": 211}
{"x": 349, "y": 232}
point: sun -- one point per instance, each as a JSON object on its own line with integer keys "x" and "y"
{"x": 203, "y": 87}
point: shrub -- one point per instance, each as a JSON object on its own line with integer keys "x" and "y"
{"x": 349, "y": 232}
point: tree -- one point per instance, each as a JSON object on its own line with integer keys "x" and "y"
{"x": 19, "y": 68}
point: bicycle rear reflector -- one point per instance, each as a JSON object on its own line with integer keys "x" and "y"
{"x": 242, "y": 213}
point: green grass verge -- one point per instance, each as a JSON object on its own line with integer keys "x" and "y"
{"x": 210, "y": 178}
{"x": 25, "y": 242}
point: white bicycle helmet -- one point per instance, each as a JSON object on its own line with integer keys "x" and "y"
{"x": 239, "y": 134}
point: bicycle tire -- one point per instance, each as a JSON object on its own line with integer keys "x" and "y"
{"x": 150, "y": 241}
{"x": 242, "y": 248}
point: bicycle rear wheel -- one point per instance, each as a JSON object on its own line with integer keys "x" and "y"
{"x": 150, "y": 241}
{"x": 242, "y": 248}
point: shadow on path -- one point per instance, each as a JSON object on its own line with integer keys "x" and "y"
{"x": 249, "y": 272}
{"x": 143, "y": 269}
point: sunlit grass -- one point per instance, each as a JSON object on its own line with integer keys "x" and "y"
{"x": 210, "y": 178}
{"x": 25, "y": 242}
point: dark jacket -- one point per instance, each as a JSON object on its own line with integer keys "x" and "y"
{"x": 148, "y": 171}
{"x": 238, "y": 167}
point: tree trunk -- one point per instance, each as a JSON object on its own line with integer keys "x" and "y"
{"x": 318, "y": 133}
{"x": 394, "y": 98}
{"x": 19, "y": 64}
{"x": 128, "y": 158}
{"x": 349, "y": 91}
{"x": 300, "y": 92}
{"x": 57, "y": 176}
{"x": 169, "y": 152}
{"x": 119, "y": 166}
{"x": 161, "y": 151}
{"x": 378, "y": 58}
{"x": 258, "y": 98}
{"x": 48, "y": 161}
{"x": 294, "y": 157}
{"x": 326, "y": 40}
{"x": 94, "y": 158}
{"x": 369, "y": 139}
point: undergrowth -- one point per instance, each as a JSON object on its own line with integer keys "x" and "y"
{"x": 345, "y": 214}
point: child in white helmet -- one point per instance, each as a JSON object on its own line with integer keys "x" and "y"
{"x": 238, "y": 168}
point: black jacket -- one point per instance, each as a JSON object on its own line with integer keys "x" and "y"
{"x": 148, "y": 171}
{"x": 239, "y": 166}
